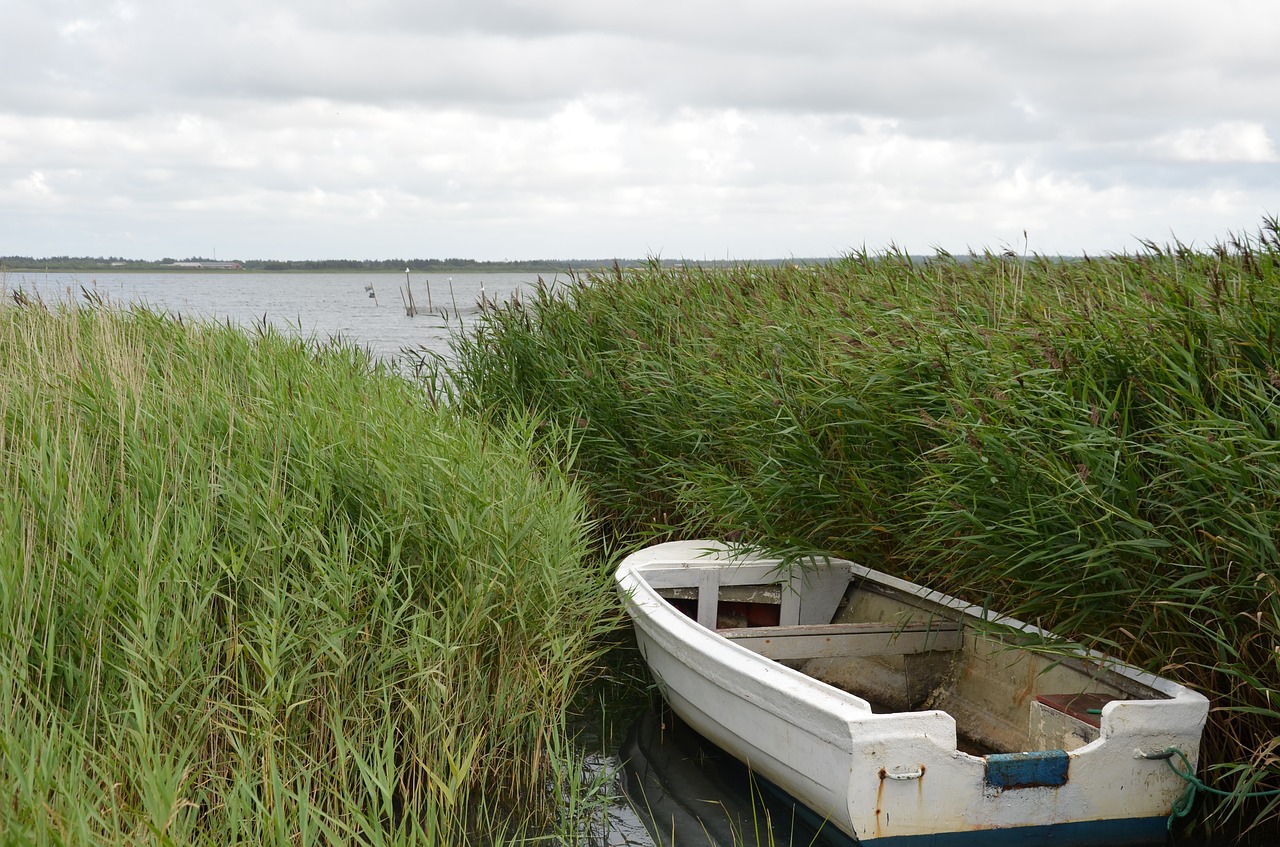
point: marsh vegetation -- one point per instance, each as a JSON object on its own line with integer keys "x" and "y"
{"x": 256, "y": 589}
{"x": 1092, "y": 445}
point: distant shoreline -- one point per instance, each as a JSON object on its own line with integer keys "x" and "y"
{"x": 297, "y": 268}
{"x": 27, "y": 264}
{"x": 286, "y": 271}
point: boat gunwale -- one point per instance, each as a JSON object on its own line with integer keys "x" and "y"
{"x": 716, "y": 555}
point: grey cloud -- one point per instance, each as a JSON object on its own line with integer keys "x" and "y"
{"x": 942, "y": 68}
{"x": 603, "y": 119}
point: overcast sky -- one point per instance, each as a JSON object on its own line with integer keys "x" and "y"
{"x": 696, "y": 129}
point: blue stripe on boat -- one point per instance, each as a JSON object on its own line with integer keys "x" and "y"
{"x": 1128, "y": 832}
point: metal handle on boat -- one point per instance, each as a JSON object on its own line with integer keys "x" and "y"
{"x": 886, "y": 774}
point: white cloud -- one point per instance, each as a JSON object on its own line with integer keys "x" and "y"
{"x": 1231, "y": 141}
{"x": 33, "y": 187}
{"x": 502, "y": 128}
{"x": 77, "y": 29}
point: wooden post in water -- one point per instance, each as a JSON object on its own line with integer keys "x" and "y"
{"x": 411, "y": 309}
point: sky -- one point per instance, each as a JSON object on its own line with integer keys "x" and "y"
{"x": 589, "y": 129}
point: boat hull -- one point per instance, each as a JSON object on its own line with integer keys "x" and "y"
{"x": 886, "y": 777}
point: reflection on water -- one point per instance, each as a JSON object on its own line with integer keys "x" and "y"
{"x": 690, "y": 793}
{"x": 367, "y": 309}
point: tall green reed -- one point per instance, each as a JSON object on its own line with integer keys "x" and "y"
{"x": 255, "y": 589}
{"x": 1089, "y": 444}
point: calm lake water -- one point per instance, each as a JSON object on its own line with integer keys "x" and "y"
{"x": 322, "y": 306}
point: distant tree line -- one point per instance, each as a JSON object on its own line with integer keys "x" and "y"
{"x": 98, "y": 263}
{"x": 116, "y": 263}
{"x": 416, "y": 265}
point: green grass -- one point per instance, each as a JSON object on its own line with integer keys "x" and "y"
{"x": 1091, "y": 445}
{"x": 255, "y": 590}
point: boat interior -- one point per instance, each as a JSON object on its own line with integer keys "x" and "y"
{"x": 1008, "y": 691}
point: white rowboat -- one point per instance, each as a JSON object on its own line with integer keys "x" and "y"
{"x": 902, "y": 716}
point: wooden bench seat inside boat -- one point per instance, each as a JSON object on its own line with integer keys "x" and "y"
{"x": 803, "y": 597}
{"x": 815, "y": 641}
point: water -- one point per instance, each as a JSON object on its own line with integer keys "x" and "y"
{"x": 689, "y": 793}
{"x": 321, "y": 306}
{"x": 671, "y": 787}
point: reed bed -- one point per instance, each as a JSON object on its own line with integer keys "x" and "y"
{"x": 1088, "y": 444}
{"x": 257, "y": 590}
